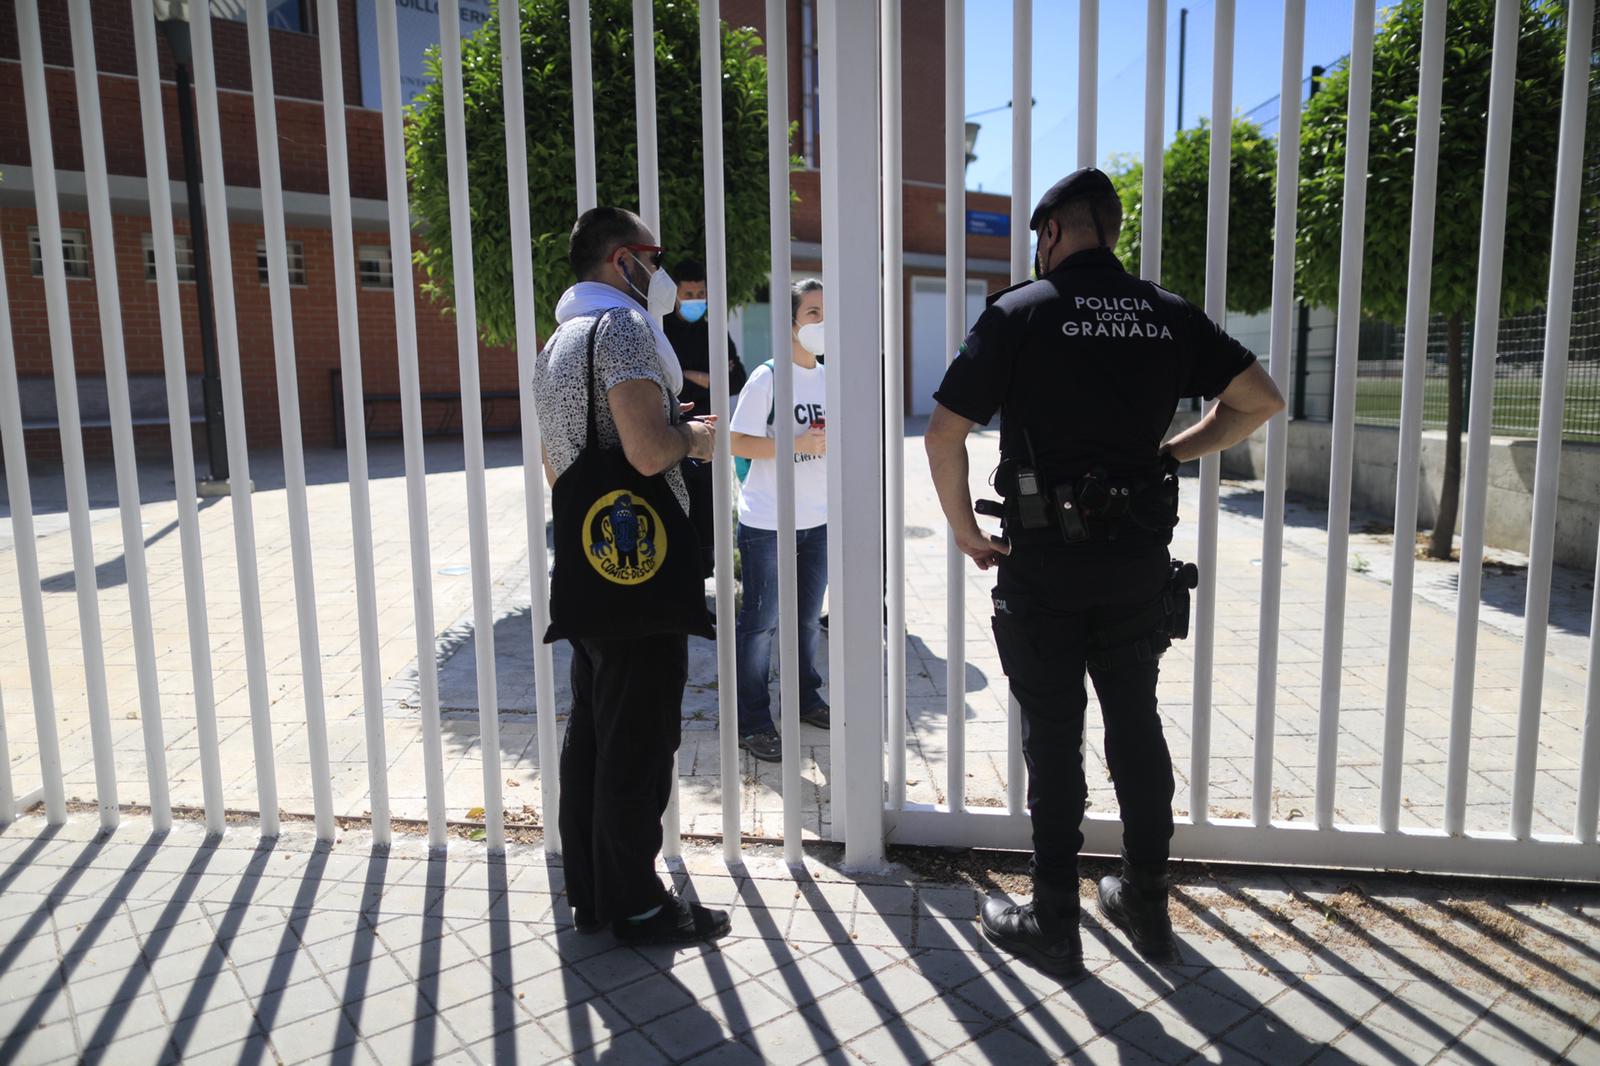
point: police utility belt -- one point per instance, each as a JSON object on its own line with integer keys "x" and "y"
{"x": 1076, "y": 510}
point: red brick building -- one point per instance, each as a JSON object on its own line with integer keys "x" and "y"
{"x": 296, "y": 71}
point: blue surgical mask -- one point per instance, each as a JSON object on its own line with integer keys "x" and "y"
{"x": 692, "y": 310}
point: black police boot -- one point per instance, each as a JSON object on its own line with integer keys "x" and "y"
{"x": 1045, "y": 931}
{"x": 1136, "y": 903}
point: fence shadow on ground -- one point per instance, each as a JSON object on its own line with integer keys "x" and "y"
{"x": 474, "y": 952}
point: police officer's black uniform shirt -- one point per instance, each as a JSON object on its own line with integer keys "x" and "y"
{"x": 1092, "y": 362}
{"x": 692, "y": 342}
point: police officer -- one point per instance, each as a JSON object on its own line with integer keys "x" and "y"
{"x": 1086, "y": 365}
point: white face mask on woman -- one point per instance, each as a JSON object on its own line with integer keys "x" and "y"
{"x": 810, "y": 337}
{"x": 660, "y": 296}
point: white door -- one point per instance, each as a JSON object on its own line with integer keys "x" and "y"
{"x": 929, "y": 354}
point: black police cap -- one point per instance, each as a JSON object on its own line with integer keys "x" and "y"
{"x": 1084, "y": 182}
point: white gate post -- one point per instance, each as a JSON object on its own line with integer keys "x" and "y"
{"x": 850, "y": 168}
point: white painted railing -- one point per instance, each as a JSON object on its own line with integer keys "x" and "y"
{"x": 861, "y": 147}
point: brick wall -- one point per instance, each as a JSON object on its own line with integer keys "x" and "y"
{"x": 302, "y": 147}
{"x": 296, "y": 66}
{"x": 315, "y": 327}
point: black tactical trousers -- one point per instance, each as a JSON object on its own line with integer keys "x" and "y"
{"x": 617, "y": 762}
{"x": 1056, "y": 615}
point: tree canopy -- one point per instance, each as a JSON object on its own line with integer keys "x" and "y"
{"x": 1463, "y": 140}
{"x": 1185, "y": 171}
{"x": 552, "y": 183}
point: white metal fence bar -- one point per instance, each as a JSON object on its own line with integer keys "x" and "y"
{"x": 1589, "y": 758}
{"x": 1408, "y": 475}
{"x": 582, "y": 104}
{"x": 1280, "y": 844}
{"x": 1216, "y": 305}
{"x": 1341, "y": 463}
{"x": 1485, "y": 337}
{"x": 955, "y": 329}
{"x": 8, "y": 799}
{"x": 405, "y": 330}
{"x": 1155, "y": 114}
{"x": 722, "y": 471}
{"x": 644, "y": 79}
{"x": 851, "y": 275}
{"x": 18, "y": 496}
{"x": 1021, "y": 209}
{"x": 894, "y": 388}
{"x": 240, "y": 487}
{"x": 180, "y": 434}
{"x": 355, "y": 438}
{"x": 1547, "y": 463}
{"x": 59, "y": 317}
{"x": 466, "y": 307}
{"x": 294, "y": 465}
{"x": 1088, "y": 80}
{"x": 783, "y": 400}
{"x": 532, "y": 438}
{"x": 1294, "y": 26}
{"x": 107, "y": 292}
{"x": 644, "y": 104}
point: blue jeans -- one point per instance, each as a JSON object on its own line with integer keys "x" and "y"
{"x": 758, "y": 620}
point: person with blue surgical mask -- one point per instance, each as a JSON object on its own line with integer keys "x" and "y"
{"x": 689, "y": 332}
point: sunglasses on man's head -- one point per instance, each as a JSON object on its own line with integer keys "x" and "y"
{"x": 651, "y": 253}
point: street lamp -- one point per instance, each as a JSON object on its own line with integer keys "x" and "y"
{"x": 172, "y": 19}
{"x": 972, "y": 141}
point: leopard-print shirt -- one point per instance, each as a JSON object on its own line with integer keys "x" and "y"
{"x": 625, "y": 350}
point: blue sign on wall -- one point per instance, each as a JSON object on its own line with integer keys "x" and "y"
{"x": 988, "y": 223}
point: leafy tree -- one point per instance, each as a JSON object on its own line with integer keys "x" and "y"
{"x": 1397, "y": 50}
{"x": 1185, "y": 170}
{"x": 552, "y": 183}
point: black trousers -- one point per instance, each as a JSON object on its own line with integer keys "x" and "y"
{"x": 617, "y": 764}
{"x": 697, "y": 479}
{"x": 1057, "y": 615}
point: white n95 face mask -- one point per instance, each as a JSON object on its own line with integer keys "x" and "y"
{"x": 810, "y": 337}
{"x": 662, "y": 294}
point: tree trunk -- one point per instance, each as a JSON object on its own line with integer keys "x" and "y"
{"x": 1444, "y": 527}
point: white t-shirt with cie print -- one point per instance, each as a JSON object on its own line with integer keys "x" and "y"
{"x": 758, "y": 502}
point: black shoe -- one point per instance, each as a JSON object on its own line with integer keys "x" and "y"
{"x": 585, "y": 922}
{"x": 817, "y": 716}
{"x": 1136, "y": 903}
{"x": 1054, "y": 945}
{"x": 765, "y": 745}
{"x": 677, "y": 922}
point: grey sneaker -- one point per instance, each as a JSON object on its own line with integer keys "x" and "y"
{"x": 817, "y": 716}
{"x": 764, "y": 745}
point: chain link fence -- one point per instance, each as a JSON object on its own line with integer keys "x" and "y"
{"x": 1519, "y": 359}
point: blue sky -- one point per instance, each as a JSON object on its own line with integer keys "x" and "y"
{"x": 1258, "y": 52}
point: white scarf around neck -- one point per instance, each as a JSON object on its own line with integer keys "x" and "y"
{"x": 593, "y": 297}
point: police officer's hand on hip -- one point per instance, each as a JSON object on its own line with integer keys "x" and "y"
{"x": 1085, "y": 366}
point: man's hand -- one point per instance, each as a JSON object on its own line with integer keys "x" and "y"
{"x": 946, "y": 441}
{"x": 702, "y": 437}
{"x": 980, "y": 547}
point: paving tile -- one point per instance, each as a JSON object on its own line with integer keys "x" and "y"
{"x": 423, "y": 1041}
{"x": 314, "y": 1038}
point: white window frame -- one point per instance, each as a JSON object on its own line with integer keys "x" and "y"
{"x": 74, "y": 253}
{"x": 380, "y": 257}
{"x": 183, "y": 252}
{"x": 297, "y": 263}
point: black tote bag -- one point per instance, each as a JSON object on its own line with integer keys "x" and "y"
{"x": 627, "y": 557}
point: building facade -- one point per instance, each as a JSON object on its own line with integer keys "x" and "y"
{"x": 296, "y": 71}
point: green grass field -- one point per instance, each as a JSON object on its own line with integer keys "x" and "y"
{"x": 1516, "y": 405}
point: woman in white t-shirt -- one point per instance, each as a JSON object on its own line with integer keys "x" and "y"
{"x": 754, "y": 440}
